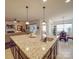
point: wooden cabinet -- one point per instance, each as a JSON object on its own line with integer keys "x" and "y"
{"x": 52, "y": 53}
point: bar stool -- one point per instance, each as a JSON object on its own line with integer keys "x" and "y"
{"x": 63, "y": 36}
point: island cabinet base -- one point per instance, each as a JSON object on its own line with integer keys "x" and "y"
{"x": 51, "y": 54}
{"x": 17, "y": 53}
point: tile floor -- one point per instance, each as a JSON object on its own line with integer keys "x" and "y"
{"x": 65, "y": 49}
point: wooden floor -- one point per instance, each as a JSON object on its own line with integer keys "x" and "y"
{"x": 8, "y": 54}
{"x": 65, "y": 50}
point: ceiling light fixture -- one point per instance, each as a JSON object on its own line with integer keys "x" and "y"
{"x": 44, "y": 0}
{"x": 27, "y": 22}
{"x": 67, "y": 1}
{"x": 43, "y": 22}
{"x": 15, "y": 20}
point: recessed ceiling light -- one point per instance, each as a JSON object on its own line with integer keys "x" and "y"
{"x": 67, "y": 1}
{"x": 44, "y": 0}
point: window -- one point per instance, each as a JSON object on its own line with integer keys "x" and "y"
{"x": 33, "y": 28}
{"x": 66, "y": 27}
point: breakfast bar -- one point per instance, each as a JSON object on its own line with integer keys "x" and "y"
{"x": 33, "y": 48}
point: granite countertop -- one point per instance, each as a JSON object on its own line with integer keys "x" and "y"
{"x": 33, "y": 48}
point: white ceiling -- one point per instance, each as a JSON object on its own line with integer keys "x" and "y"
{"x": 17, "y": 8}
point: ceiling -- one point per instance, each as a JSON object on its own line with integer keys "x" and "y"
{"x": 17, "y": 8}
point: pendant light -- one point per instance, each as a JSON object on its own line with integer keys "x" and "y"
{"x": 15, "y": 20}
{"x": 44, "y": 0}
{"x": 67, "y": 1}
{"x": 44, "y": 15}
{"x": 43, "y": 32}
{"x": 27, "y": 22}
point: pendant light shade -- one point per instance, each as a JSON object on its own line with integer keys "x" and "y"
{"x": 43, "y": 22}
{"x": 44, "y": 0}
{"x": 15, "y": 21}
{"x": 27, "y": 22}
{"x": 67, "y": 1}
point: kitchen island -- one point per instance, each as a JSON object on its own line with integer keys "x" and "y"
{"x": 33, "y": 48}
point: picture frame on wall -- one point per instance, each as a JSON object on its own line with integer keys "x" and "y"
{"x": 19, "y": 28}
